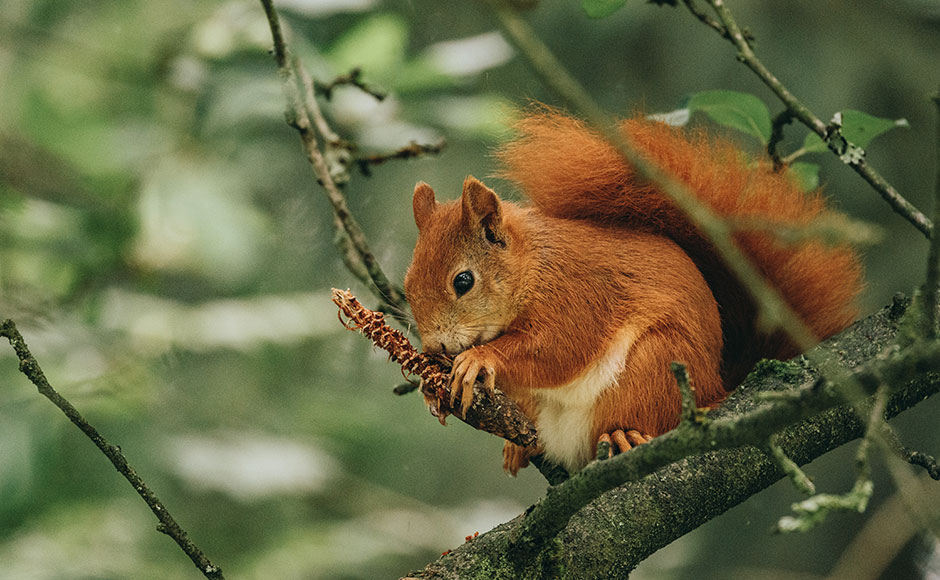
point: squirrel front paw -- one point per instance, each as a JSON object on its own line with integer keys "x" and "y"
{"x": 467, "y": 367}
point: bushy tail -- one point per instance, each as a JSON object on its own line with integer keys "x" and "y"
{"x": 569, "y": 171}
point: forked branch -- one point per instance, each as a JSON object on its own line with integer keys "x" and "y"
{"x": 303, "y": 114}
{"x": 729, "y": 29}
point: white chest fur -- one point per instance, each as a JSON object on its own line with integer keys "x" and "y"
{"x": 565, "y": 413}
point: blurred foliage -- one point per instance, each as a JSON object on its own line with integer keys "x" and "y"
{"x": 167, "y": 253}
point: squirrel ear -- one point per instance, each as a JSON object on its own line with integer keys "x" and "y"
{"x": 481, "y": 207}
{"x": 423, "y": 204}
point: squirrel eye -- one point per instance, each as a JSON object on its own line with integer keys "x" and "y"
{"x": 463, "y": 282}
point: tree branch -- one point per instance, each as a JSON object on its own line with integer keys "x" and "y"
{"x": 933, "y": 259}
{"x": 752, "y": 428}
{"x": 354, "y": 78}
{"x": 301, "y": 106}
{"x": 924, "y": 460}
{"x": 409, "y": 151}
{"x": 784, "y": 118}
{"x": 693, "y": 490}
{"x": 30, "y": 367}
{"x": 800, "y": 111}
{"x": 773, "y": 310}
{"x": 707, "y": 20}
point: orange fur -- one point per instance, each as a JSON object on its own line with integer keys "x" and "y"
{"x": 569, "y": 171}
{"x": 580, "y": 302}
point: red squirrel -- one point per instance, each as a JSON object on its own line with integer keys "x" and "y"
{"x": 576, "y": 303}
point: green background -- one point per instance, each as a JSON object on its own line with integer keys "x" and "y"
{"x": 167, "y": 253}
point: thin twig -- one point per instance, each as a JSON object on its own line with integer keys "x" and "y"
{"x": 337, "y": 153}
{"x": 353, "y": 78}
{"x": 800, "y": 480}
{"x": 933, "y": 258}
{"x": 30, "y": 367}
{"x": 924, "y": 460}
{"x": 925, "y": 514}
{"x": 711, "y": 22}
{"x": 918, "y": 458}
{"x": 808, "y": 118}
{"x": 876, "y": 421}
{"x": 311, "y": 105}
{"x": 834, "y": 229}
{"x": 776, "y": 136}
{"x": 299, "y": 118}
{"x": 410, "y": 151}
{"x": 280, "y": 47}
{"x": 689, "y": 412}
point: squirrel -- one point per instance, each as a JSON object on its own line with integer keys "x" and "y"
{"x": 576, "y": 303}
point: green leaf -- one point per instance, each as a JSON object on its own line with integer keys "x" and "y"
{"x": 805, "y": 175}
{"x": 858, "y": 127}
{"x": 813, "y": 144}
{"x": 601, "y": 8}
{"x": 741, "y": 111}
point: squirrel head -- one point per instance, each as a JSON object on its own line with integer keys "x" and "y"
{"x": 462, "y": 284}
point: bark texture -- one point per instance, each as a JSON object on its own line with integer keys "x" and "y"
{"x": 617, "y": 531}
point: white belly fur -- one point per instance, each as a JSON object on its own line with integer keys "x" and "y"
{"x": 565, "y": 416}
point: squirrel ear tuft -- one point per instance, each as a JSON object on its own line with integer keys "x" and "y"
{"x": 481, "y": 208}
{"x": 423, "y": 204}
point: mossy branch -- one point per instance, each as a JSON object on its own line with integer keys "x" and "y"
{"x": 690, "y": 413}
{"x": 814, "y": 510}
{"x": 722, "y": 466}
{"x": 799, "y": 478}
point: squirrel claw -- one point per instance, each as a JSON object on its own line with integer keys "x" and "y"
{"x": 434, "y": 406}
{"x": 467, "y": 367}
{"x": 622, "y": 441}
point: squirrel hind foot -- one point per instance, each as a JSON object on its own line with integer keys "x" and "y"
{"x": 623, "y": 440}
